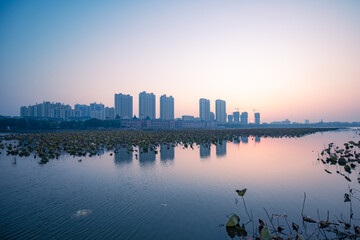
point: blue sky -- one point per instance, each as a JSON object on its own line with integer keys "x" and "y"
{"x": 286, "y": 59}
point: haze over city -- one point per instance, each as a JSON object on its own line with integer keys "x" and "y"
{"x": 297, "y": 60}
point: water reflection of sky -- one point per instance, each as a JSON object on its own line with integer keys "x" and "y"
{"x": 125, "y": 190}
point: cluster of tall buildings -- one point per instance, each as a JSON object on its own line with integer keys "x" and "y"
{"x": 48, "y": 110}
{"x": 95, "y": 110}
{"x": 221, "y": 115}
{"x": 147, "y": 106}
{"x": 123, "y": 109}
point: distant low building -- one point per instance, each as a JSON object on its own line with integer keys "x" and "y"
{"x": 188, "y": 118}
{"x": 286, "y": 122}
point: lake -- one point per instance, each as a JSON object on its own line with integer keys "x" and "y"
{"x": 179, "y": 193}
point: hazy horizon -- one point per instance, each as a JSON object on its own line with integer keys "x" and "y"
{"x": 285, "y": 59}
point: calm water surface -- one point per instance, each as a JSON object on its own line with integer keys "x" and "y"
{"x": 176, "y": 194}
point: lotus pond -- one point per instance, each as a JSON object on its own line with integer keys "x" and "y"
{"x": 177, "y": 184}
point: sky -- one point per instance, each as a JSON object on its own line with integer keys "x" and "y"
{"x": 285, "y": 59}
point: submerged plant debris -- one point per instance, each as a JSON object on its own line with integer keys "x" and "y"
{"x": 50, "y": 145}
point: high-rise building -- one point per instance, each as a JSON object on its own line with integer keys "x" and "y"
{"x": 123, "y": 106}
{"x": 212, "y": 116}
{"x": 146, "y": 105}
{"x": 204, "y": 109}
{"x": 97, "y": 110}
{"x": 236, "y": 117}
{"x": 230, "y": 118}
{"x": 166, "y": 108}
{"x": 24, "y": 111}
{"x": 109, "y": 113}
{"x": 84, "y": 109}
{"x": 257, "y": 118}
{"x": 244, "y": 118}
{"x": 96, "y": 106}
{"x": 75, "y": 113}
{"x": 220, "y": 110}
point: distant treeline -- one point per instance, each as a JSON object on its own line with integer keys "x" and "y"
{"x": 22, "y": 124}
{"x": 8, "y": 124}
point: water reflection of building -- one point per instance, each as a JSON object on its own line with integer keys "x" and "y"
{"x": 122, "y": 156}
{"x": 167, "y": 152}
{"x": 257, "y": 139}
{"x": 221, "y": 148}
{"x": 245, "y": 139}
{"x": 205, "y": 151}
{"x": 237, "y": 140}
{"x": 148, "y": 157}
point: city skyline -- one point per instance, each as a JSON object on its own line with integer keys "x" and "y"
{"x": 124, "y": 110}
{"x": 56, "y": 110}
{"x": 295, "y": 60}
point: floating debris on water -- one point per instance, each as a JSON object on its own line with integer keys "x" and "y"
{"x": 80, "y": 214}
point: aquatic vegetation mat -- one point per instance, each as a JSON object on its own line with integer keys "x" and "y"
{"x": 50, "y": 145}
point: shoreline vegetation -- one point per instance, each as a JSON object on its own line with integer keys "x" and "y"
{"x": 50, "y": 145}
{"x": 277, "y": 226}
